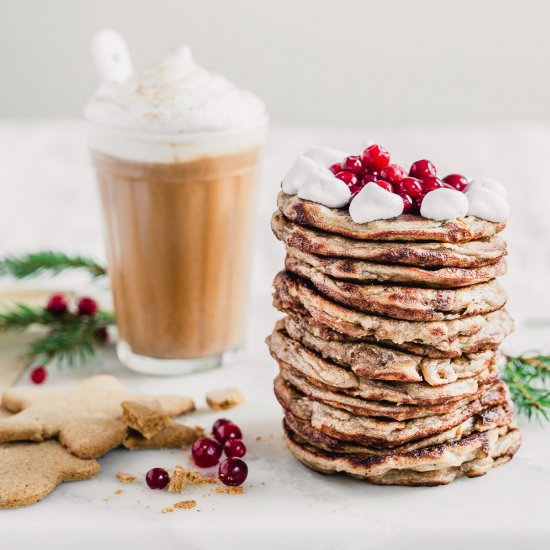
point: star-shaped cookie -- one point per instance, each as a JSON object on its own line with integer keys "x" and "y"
{"x": 30, "y": 471}
{"x": 86, "y": 418}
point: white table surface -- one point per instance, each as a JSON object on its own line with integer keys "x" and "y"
{"x": 49, "y": 200}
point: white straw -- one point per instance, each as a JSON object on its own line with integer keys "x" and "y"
{"x": 111, "y": 56}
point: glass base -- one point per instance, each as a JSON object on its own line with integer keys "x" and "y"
{"x": 165, "y": 367}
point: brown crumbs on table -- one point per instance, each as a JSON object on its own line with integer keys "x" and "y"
{"x": 118, "y": 492}
{"x": 182, "y": 477}
{"x": 185, "y": 504}
{"x": 125, "y": 478}
{"x": 230, "y": 490}
{"x": 259, "y": 438}
{"x": 221, "y": 400}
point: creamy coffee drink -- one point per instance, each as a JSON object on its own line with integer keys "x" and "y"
{"x": 175, "y": 151}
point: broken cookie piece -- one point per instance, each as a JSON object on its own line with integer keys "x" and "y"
{"x": 221, "y": 400}
{"x": 146, "y": 417}
{"x": 125, "y": 478}
{"x": 175, "y": 436}
{"x": 181, "y": 478}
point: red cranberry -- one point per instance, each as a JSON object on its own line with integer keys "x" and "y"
{"x": 233, "y": 471}
{"x": 422, "y": 169}
{"x": 410, "y": 186}
{"x": 367, "y": 178}
{"x": 407, "y": 203}
{"x": 87, "y": 306}
{"x": 57, "y": 305}
{"x": 393, "y": 173}
{"x": 456, "y": 181}
{"x": 385, "y": 185}
{"x": 234, "y": 447}
{"x": 157, "y": 478}
{"x": 206, "y": 452}
{"x": 39, "y": 375}
{"x": 375, "y": 158}
{"x": 218, "y": 424}
{"x": 431, "y": 183}
{"x": 335, "y": 168}
{"x": 228, "y": 431}
{"x": 349, "y": 178}
{"x": 417, "y": 204}
{"x": 352, "y": 164}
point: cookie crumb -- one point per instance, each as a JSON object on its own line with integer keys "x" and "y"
{"x": 182, "y": 477}
{"x": 221, "y": 400}
{"x": 181, "y": 505}
{"x": 125, "y": 478}
{"x": 230, "y": 490}
{"x": 259, "y": 438}
{"x": 118, "y": 492}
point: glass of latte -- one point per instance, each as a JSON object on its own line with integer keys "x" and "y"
{"x": 175, "y": 151}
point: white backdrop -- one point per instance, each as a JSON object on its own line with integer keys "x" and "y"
{"x": 346, "y": 62}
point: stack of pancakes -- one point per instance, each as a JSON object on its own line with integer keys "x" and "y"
{"x": 388, "y": 353}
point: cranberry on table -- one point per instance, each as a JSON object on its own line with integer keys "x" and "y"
{"x": 352, "y": 164}
{"x": 157, "y": 478}
{"x": 235, "y": 448}
{"x": 422, "y": 169}
{"x": 375, "y": 158}
{"x": 349, "y": 178}
{"x": 456, "y": 181}
{"x": 228, "y": 431}
{"x": 407, "y": 203}
{"x": 87, "y": 306}
{"x": 218, "y": 423}
{"x": 385, "y": 185}
{"x": 57, "y": 304}
{"x": 206, "y": 452}
{"x": 431, "y": 183}
{"x": 410, "y": 186}
{"x": 393, "y": 173}
{"x": 233, "y": 471}
{"x": 39, "y": 375}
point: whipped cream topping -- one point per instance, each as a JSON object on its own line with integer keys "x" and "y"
{"x": 313, "y": 181}
{"x": 489, "y": 183}
{"x": 487, "y": 204}
{"x": 375, "y": 203}
{"x": 444, "y": 204}
{"x": 175, "y": 96}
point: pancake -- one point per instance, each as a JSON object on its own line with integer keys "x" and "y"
{"x": 404, "y": 228}
{"x": 370, "y": 272}
{"x": 364, "y": 407}
{"x": 344, "y": 427}
{"x": 294, "y": 296}
{"x": 378, "y": 363}
{"x": 337, "y": 378}
{"x": 404, "y": 302}
{"x": 471, "y": 456}
{"x": 472, "y": 254}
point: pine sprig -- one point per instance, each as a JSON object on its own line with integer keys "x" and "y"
{"x": 71, "y": 338}
{"x": 527, "y": 376}
{"x": 49, "y": 261}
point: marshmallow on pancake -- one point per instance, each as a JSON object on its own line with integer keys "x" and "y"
{"x": 491, "y": 184}
{"x": 375, "y": 203}
{"x": 327, "y": 190}
{"x": 487, "y": 204}
{"x": 444, "y": 204}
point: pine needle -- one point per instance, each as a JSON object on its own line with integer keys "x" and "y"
{"x": 51, "y": 262}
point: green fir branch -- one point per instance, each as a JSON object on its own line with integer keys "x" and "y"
{"x": 527, "y": 376}
{"x": 20, "y": 317}
{"x": 51, "y": 262}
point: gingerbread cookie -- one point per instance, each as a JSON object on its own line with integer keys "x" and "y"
{"x": 146, "y": 417}
{"x": 221, "y": 400}
{"x": 175, "y": 436}
{"x": 85, "y": 418}
{"x": 30, "y": 471}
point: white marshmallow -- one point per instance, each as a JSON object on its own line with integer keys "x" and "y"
{"x": 375, "y": 203}
{"x": 489, "y": 183}
{"x": 487, "y": 204}
{"x": 325, "y": 156}
{"x": 327, "y": 190}
{"x": 444, "y": 204}
{"x": 301, "y": 171}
